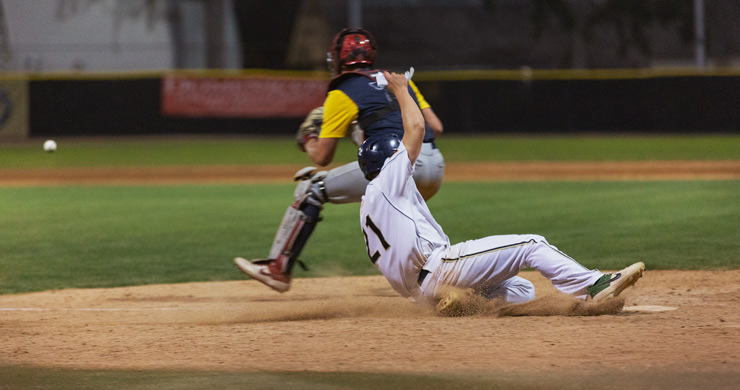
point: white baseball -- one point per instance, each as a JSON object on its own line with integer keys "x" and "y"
{"x": 50, "y": 145}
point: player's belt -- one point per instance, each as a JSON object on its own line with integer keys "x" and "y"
{"x": 422, "y": 275}
{"x": 434, "y": 146}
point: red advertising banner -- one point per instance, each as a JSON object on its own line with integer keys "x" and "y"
{"x": 248, "y": 97}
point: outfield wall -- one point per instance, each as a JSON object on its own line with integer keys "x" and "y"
{"x": 583, "y": 101}
{"x": 272, "y": 102}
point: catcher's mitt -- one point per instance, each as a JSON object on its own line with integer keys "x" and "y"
{"x": 310, "y": 128}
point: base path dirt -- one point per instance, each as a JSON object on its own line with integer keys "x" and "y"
{"x": 482, "y": 171}
{"x": 674, "y": 324}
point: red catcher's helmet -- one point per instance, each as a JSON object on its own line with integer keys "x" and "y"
{"x": 351, "y": 46}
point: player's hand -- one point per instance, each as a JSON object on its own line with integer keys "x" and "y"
{"x": 396, "y": 82}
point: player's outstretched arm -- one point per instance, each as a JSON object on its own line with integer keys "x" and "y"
{"x": 413, "y": 120}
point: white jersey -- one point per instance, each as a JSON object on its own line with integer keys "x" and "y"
{"x": 400, "y": 232}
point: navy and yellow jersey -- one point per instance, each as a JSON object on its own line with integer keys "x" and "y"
{"x": 357, "y": 97}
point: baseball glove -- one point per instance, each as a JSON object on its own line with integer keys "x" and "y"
{"x": 310, "y": 128}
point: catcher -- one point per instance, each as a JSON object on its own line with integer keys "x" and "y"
{"x": 412, "y": 251}
{"x": 358, "y": 106}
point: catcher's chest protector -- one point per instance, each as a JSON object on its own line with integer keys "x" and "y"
{"x": 367, "y": 96}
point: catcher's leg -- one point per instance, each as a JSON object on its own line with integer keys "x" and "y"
{"x": 345, "y": 184}
{"x": 298, "y": 223}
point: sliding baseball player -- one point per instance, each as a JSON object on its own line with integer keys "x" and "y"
{"x": 412, "y": 251}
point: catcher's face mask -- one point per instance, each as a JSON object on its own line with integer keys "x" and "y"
{"x": 350, "y": 47}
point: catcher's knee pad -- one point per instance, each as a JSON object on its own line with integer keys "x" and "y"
{"x": 312, "y": 183}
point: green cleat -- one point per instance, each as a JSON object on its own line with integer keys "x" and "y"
{"x": 611, "y": 285}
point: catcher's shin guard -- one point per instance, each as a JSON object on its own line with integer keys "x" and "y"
{"x": 299, "y": 220}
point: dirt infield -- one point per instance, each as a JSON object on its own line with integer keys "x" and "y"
{"x": 675, "y": 325}
{"x": 488, "y": 171}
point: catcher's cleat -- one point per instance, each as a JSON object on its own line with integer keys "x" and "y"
{"x": 267, "y": 271}
{"x": 454, "y": 302}
{"x": 611, "y": 285}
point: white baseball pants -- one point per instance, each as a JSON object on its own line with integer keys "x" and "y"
{"x": 490, "y": 266}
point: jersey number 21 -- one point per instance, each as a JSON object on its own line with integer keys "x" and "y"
{"x": 369, "y": 223}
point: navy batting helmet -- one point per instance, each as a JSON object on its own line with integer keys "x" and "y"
{"x": 374, "y": 151}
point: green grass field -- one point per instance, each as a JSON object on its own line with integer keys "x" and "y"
{"x": 101, "y": 236}
{"x": 60, "y": 237}
{"x": 281, "y": 150}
